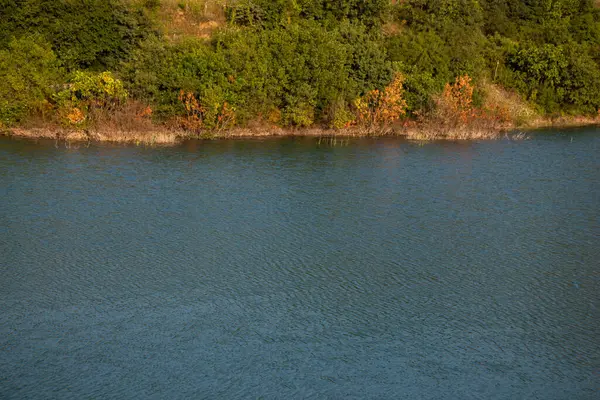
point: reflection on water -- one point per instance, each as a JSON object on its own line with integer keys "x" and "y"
{"x": 297, "y": 269}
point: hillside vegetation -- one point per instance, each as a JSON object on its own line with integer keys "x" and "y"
{"x": 205, "y": 66}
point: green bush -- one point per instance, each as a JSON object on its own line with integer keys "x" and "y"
{"x": 87, "y": 95}
{"x": 557, "y": 78}
{"x": 419, "y": 88}
{"x": 273, "y": 13}
{"x": 87, "y": 89}
{"x": 158, "y": 72}
{"x": 84, "y": 34}
{"x": 548, "y": 51}
{"x": 441, "y": 15}
{"x": 300, "y": 69}
{"x": 29, "y": 73}
{"x": 295, "y": 62}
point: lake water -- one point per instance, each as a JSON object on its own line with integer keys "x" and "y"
{"x": 299, "y": 268}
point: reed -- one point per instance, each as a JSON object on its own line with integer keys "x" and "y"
{"x": 515, "y": 109}
{"x": 430, "y": 132}
{"x": 154, "y": 137}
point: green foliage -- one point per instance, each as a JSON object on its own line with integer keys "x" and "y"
{"x": 273, "y": 13}
{"x": 424, "y": 50}
{"x": 338, "y": 115}
{"x": 547, "y": 50}
{"x": 29, "y": 71}
{"x": 158, "y": 72}
{"x": 542, "y": 21}
{"x": 293, "y": 62}
{"x": 300, "y": 69}
{"x": 555, "y": 77}
{"x": 87, "y": 95}
{"x": 419, "y": 88}
{"x": 538, "y": 67}
{"x": 84, "y": 34}
{"x": 151, "y": 4}
{"x": 370, "y": 13}
{"x": 101, "y": 89}
{"x": 442, "y": 38}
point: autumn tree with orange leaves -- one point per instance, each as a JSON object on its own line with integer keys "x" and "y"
{"x": 380, "y": 108}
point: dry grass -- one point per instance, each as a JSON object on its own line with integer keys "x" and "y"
{"x": 563, "y": 122}
{"x": 130, "y": 123}
{"x": 265, "y": 132}
{"x": 518, "y": 111}
{"x": 502, "y": 111}
{"x": 152, "y": 138}
{"x": 161, "y": 137}
{"x": 127, "y": 123}
{"x": 392, "y": 28}
{"x": 428, "y": 132}
{"x": 190, "y": 18}
{"x": 133, "y": 116}
{"x": 456, "y": 118}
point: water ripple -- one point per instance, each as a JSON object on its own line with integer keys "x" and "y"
{"x": 288, "y": 269}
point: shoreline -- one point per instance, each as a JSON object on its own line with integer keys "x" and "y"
{"x": 163, "y": 136}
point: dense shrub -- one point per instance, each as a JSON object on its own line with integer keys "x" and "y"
{"x": 419, "y": 88}
{"x": 297, "y": 71}
{"x": 556, "y": 22}
{"x": 88, "y": 95}
{"x": 548, "y": 51}
{"x": 29, "y": 73}
{"x": 557, "y": 78}
{"x": 158, "y": 72}
{"x": 294, "y": 62}
{"x": 84, "y": 34}
{"x": 442, "y": 38}
{"x": 273, "y": 13}
{"x": 441, "y": 15}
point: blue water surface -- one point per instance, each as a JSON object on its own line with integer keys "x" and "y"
{"x": 301, "y": 268}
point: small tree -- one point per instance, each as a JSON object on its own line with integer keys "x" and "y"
{"x": 457, "y": 99}
{"x": 192, "y": 120}
{"x": 378, "y": 109}
{"x": 88, "y": 96}
{"x": 210, "y": 112}
{"x": 28, "y": 72}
